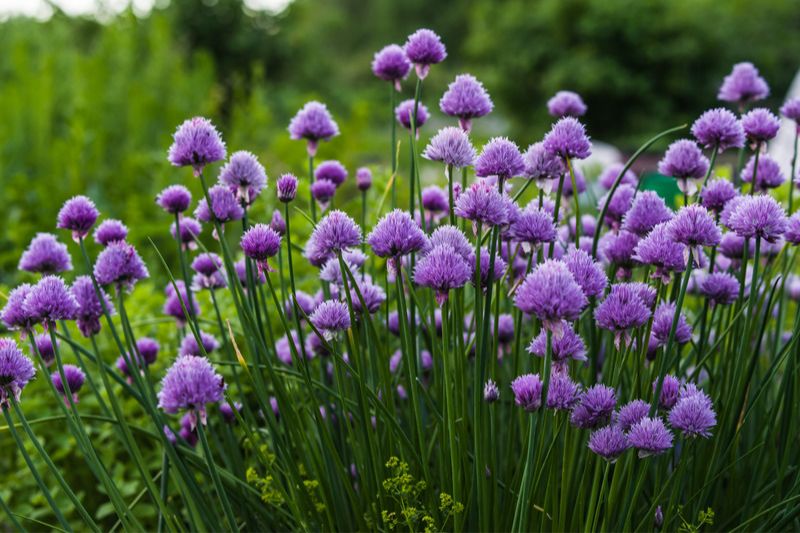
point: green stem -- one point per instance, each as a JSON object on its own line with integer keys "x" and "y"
{"x": 212, "y": 469}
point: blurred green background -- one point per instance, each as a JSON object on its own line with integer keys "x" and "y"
{"x": 89, "y": 107}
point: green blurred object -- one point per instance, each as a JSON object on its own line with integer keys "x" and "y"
{"x": 664, "y": 186}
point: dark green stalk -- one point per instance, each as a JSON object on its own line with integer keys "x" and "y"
{"x": 212, "y": 469}
{"x": 311, "y": 202}
{"x": 577, "y": 202}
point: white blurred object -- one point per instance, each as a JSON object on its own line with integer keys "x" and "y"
{"x": 603, "y": 155}
{"x": 782, "y": 146}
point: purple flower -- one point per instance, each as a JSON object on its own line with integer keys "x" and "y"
{"x": 569, "y": 346}
{"x": 277, "y": 223}
{"x": 684, "y": 161}
{"x": 435, "y": 199}
{"x": 694, "y": 226}
{"x": 743, "y": 85}
{"x": 189, "y": 345}
{"x": 611, "y": 173}
{"x": 90, "y": 308}
{"x": 49, "y": 301}
{"x": 466, "y": 98}
{"x": 442, "y": 269}
{"x": 241, "y": 272}
{"x": 395, "y": 235}
{"x": 499, "y": 157}
{"x": 45, "y": 255}
{"x": 619, "y": 249}
{"x": 75, "y": 378}
{"x": 330, "y": 317}
{"x": 363, "y": 178}
{"x": 174, "y": 199}
{"x": 586, "y": 272}
{"x": 566, "y": 104}
{"x": 44, "y": 345}
{"x": 499, "y": 267}
{"x": 78, "y": 215}
{"x": 259, "y": 243}
{"x": 14, "y": 314}
{"x": 580, "y": 183}
{"x": 660, "y": 251}
{"x": 527, "y": 390}
{"x": 224, "y": 205}
{"x": 490, "y": 392}
{"x": 332, "y": 171}
{"x": 646, "y": 212}
{"x": 622, "y": 310}
{"x": 323, "y": 191}
{"x": 759, "y": 216}
{"x": 228, "y": 413}
{"x": 451, "y": 146}
{"x": 424, "y": 48}
{"x": 716, "y": 194}
{"x": 244, "y": 175}
{"x": 190, "y": 383}
{"x": 791, "y": 110}
{"x": 608, "y": 442}
{"x": 693, "y": 415}
{"x": 391, "y": 64}
{"x": 670, "y": 391}
{"x": 196, "y": 142}
{"x": 482, "y": 203}
{"x": 792, "y": 234}
{"x": 595, "y": 407}
{"x": 373, "y": 296}
{"x": 720, "y": 288}
{"x": 177, "y": 300}
{"x": 533, "y": 226}
{"x": 630, "y": 414}
{"x": 207, "y": 264}
{"x": 405, "y": 111}
{"x": 286, "y": 187}
{"x": 650, "y": 436}
{"x": 543, "y": 166}
{"x": 551, "y": 293}
{"x": 121, "y": 265}
{"x": 334, "y": 233}
{"x": 563, "y": 393}
{"x": 190, "y": 229}
{"x": 760, "y": 125}
{"x": 662, "y": 324}
{"x": 732, "y": 246}
{"x": 313, "y": 123}
{"x": 567, "y": 138}
{"x": 332, "y": 273}
{"x": 16, "y": 371}
{"x": 454, "y": 237}
{"x": 619, "y": 205}
{"x": 110, "y": 230}
{"x": 768, "y": 175}
{"x": 283, "y": 349}
{"x": 148, "y": 349}
{"x": 718, "y": 127}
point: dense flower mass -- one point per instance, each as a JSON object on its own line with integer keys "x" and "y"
{"x": 196, "y": 143}
{"x": 551, "y": 293}
{"x": 743, "y": 85}
{"x": 482, "y": 203}
{"x": 716, "y": 194}
{"x": 650, "y": 437}
{"x": 174, "y": 199}
{"x": 622, "y": 310}
{"x": 224, "y": 206}
{"x": 396, "y": 234}
{"x": 659, "y": 250}
{"x": 407, "y": 110}
{"x": 718, "y": 128}
{"x": 424, "y": 48}
{"x": 768, "y": 173}
{"x": 543, "y": 166}
{"x": 608, "y": 442}
{"x": 685, "y": 162}
{"x": 694, "y": 226}
{"x": 595, "y": 407}
{"x": 647, "y": 210}
{"x": 330, "y": 317}
{"x": 442, "y": 269}
{"x": 313, "y": 123}
{"x": 244, "y": 175}
{"x": 119, "y": 264}
{"x": 499, "y": 157}
{"x": 759, "y": 217}
{"x": 110, "y": 230}
{"x": 90, "y": 307}
{"x": 49, "y": 301}
{"x": 190, "y": 383}
{"x": 567, "y": 138}
{"x": 614, "y": 172}
{"x": 720, "y": 288}
{"x": 760, "y": 125}
{"x": 569, "y": 346}
{"x": 466, "y": 98}
{"x": 45, "y": 255}
{"x": 588, "y": 274}
{"x": 527, "y": 391}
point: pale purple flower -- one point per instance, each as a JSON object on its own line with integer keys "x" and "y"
{"x": 499, "y": 267}
{"x": 49, "y": 301}
{"x": 646, "y": 212}
{"x": 670, "y": 391}
{"x": 75, "y": 378}
{"x": 45, "y": 255}
{"x": 286, "y": 186}
{"x": 424, "y": 48}
{"x": 595, "y": 407}
{"x": 608, "y": 442}
{"x": 435, "y": 199}
{"x": 622, "y": 310}
{"x": 567, "y": 139}
{"x": 373, "y": 296}
{"x": 630, "y": 414}
{"x": 685, "y": 162}
{"x": 44, "y": 345}
{"x": 694, "y": 226}
{"x": 580, "y": 183}
{"x": 334, "y": 233}
{"x": 619, "y": 205}
{"x": 499, "y": 157}
{"x": 78, "y": 215}
{"x": 313, "y": 123}
{"x": 442, "y": 269}
{"x": 551, "y": 293}
{"x": 110, "y": 230}
{"x": 224, "y": 205}
{"x": 490, "y": 392}
{"x": 363, "y": 178}
{"x": 174, "y": 199}
{"x": 90, "y": 308}
{"x": 760, "y": 217}
{"x": 543, "y": 166}
{"x": 693, "y": 415}
{"x": 120, "y": 264}
{"x": 323, "y": 191}
{"x": 395, "y": 235}
{"x": 792, "y": 234}
{"x": 391, "y": 64}
{"x": 16, "y": 371}
{"x": 332, "y": 171}
{"x": 566, "y": 104}
{"x": 330, "y": 317}
{"x": 244, "y": 175}
{"x": 569, "y": 346}
{"x": 718, "y": 127}
{"x": 527, "y": 390}
{"x": 190, "y": 383}
{"x": 190, "y": 346}
{"x": 178, "y": 300}
{"x": 190, "y": 229}
{"x": 743, "y": 85}
{"x": 482, "y": 203}
{"x": 611, "y": 173}
{"x": 720, "y": 288}
{"x": 586, "y": 272}
{"x": 563, "y": 393}
{"x": 662, "y": 324}
{"x": 768, "y": 175}
{"x": 451, "y": 146}
{"x": 277, "y": 223}
{"x": 650, "y": 436}
{"x": 404, "y": 112}
{"x": 259, "y": 243}
{"x": 533, "y": 226}
{"x": 760, "y": 125}
{"x": 619, "y": 249}
{"x": 791, "y": 110}
{"x": 283, "y": 348}
{"x": 14, "y": 314}
{"x": 196, "y": 142}
{"x": 454, "y": 237}
{"x": 659, "y": 250}
{"x": 466, "y": 98}
{"x": 716, "y": 194}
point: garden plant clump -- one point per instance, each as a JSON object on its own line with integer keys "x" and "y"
{"x": 519, "y": 345}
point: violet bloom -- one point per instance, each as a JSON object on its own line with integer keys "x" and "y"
{"x": 442, "y": 269}
{"x": 332, "y": 273}
{"x": 277, "y": 223}
{"x": 499, "y": 157}
{"x": 148, "y": 349}
{"x": 595, "y": 407}
{"x": 543, "y": 166}
{"x": 190, "y": 383}
{"x": 45, "y": 255}
{"x": 562, "y": 393}
{"x": 567, "y": 139}
{"x": 189, "y": 345}
{"x": 792, "y": 234}
{"x": 791, "y": 110}
{"x": 452, "y": 147}
{"x": 241, "y": 273}
{"x": 630, "y": 414}
{"x": 551, "y": 293}
{"x": 208, "y": 267}
{"x": 322, "y": 191}
{"x": 580, "y": 183}
{"x": 685, "y": 162}
{"x": 50, "y": 301}
{"x": 228, "y": 413}
{"x": 608, "y": 442}
{"x": 619, "y": 205}
{"x": 646, "y": 212}
{"x": 718, "y": 128}
{"x": 490, "y": 392}
{"x": 190, "y": 229}
{"x": 650, "y": 436}
{"x": 732, "y": 246}
{"x": 313, "y": 123}
{"x": 760, "y": 125}
{"x": 768, "y": 175}
{"x": 404, "y": 112}
{"x": 566, "y": 104}
{"x": 373, "y": 296}
{"x": 244, "y": 176}
{"x": 44, "y": 345}
{"x": 283, "y": 348}
{"x": 527, "y": 390}
{"x": 588, "y": 274}
{"x": 760, "y": 217}
{"x": 694, "y": 227}
{"x": 119, "y": 264}
{"x": 286, "y": 186}
{"x": 396, "y": 235}
{"x": 110, "y": 230}
{"x": 75, "y": 378}
{"x": 619, "y": 249}
{"x": 670, "y": 391}
{"x": 743, "y": 85}
{"x": 659, "y": 250}
{"x": 716, "y": 194}
{"x": 391, "y": 64}
{"x": 178, "y": 300}
{"x": 533, "y": 226}
{"x": 330, "y": 317}
{"x": 612, "y": 172}
{"x": 499, "y": 267}
{"x": 424, "y": 48}
{"x": 196, "y": 143}
{"x": 482, "y": 203}
{"x": 662, "y": 323}
{"x": 434, "y": 199}
{"x": 224, "y": 206}
{"x": 721, "y": 288}
{"x": 16, "y": 371}
{"x": 693, "y": 415}
{"x": 363, "y": 179}
{"x": 174, "y": 199}
{"x": 569, "y": 346}
{"x": 259, "y": 243}
{"x": 78, "y": 215}
{"x": 90, "y": 308}
{"x": 454, "y": 237}
{"x": 14, "y": 315}
{"x": 334, "y": 233}
{"x": 622, "y": 310}
{"x": 466, "y": 98}
{"x": 332, "y": 171}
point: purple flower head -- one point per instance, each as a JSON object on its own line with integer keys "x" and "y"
{"x": 586, "y": 272}
{"x": 622, "y": 310}
{"x": 490, "y": 391}
{"x": 90, "y": 308}
{"x": 283, "y": 349}
{"x": 693, "y": 415}
{"x": 189, "y": 345}
{"x": 49, "y": 301}
{"x": 45, "y": 255}
{"x": 334, "y": 233}
{"x": 743, "y": 85}
{"x": 190, "y": 229}
{"x": 619, "y": 205}
{"x": 405, "y": 111}
{"x": 196, "y": 142}
{"x": 505, "y": 328}
{"x": 760, "y": 125}
{"x": 527, "y": 390}
{"x": 78, "y": 215}
{"x": 332, "y": 273}
{"x": 760, "y": 217}
{"x": 174, "y": 199}
{"x": 595, "y": 407}
{"x": 148, "y": 349}
{"x": 650, "y": 436}
{"x": 646, "y": 212}
{"x": 120, "y": 264}
{"x": 207, "y": 264}
{"x": 684, "y": 161}
{"x": 244, "y": 176}
{"x": 241, "y": 272}
{"x": 323, "y": 191}
{"x": 228, "y": 413}
{"x": 188, "y": 432}
{"x": 277, "y": 223}
{"x": 177, "y": 300}
{"x": 224, "y": 205}
{"x": 533, "y": 226}
{"x": 499, "y": 267}
{"x": 670, "y": 391}
{"x": 611, "y": 173}
{"x": 569, "y": 346}
{"x": 330, "y": 317}
{"x": 566, "y": 104}
{"x": 662, "y": 323}
{"x": 482, "y": 203}
{"x": 551, "y": 293}
{"x": 659, "y": 250}
{"x": 44, "y": 344}
{"x": 608, "y": 442}
{"x": 313, "y": 123}
{"x": 363, "y": 178}
{"x": 768, "y": 175}
{"x": 452, "y": 236}
{"x": 435, "y": 199}
{"x": 451, "y": 146}
{"x": 16, "y": 371}
{"x": 694, "y": 226}
{"x": 720, "y": 288}
{"x": 791, "y": 110}
{"x": 391, "y": 64}
{"x": 373, "y": 296}
{"x": 716, "y": 194}
{"x": 332, "y": 171}
{"x": 424, "y": 48}
{"x": 630, "y": 414}
{"x": 190, "y": 383}
{"x": 110, "y": 230}
{"x": 567, "y": 139}
{"x": 563, "y": 393}
{"x": 75, "y": 378}
{"x": 259, "y": 243}
{"x": 286, "y": 187}
{"x": 466, "y": 98}
{"x": 792, "y": 234}
{"x": 580, "y": 183}
{"x": 395, "y": 235}
{"x": 543, "y": 166}
{"x": 730, "y": 208}
{"x": 718, "y": 127}
{"x": 619, "y": 249}
{"x": 732, "y": 246}
{"x": 442, "y": 269}
{"x": 499, "y": 157}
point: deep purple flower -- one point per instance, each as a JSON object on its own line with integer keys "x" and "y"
{"x": 720, "y": 288}
{"x": 611, "y": 173}
{"x": 424, "y": 48}
{"x": 75, "y": 378}
{"x": 716, "y": 194}
{"x": 224, "y": 205}
{"x": 563, "y": 393}
{"x": 760, "y": 125}
{"x": 791, "y": 110}
{"x": 405, "y": 111}
{"x": 189, "y": 345}
{"x": 190, "y": 383}
{"x": 196, "y": 142}
{"x": 259, "y": 243}
{"x": 630, "y": 414}
{"x": 647, "y": 210}
{"x": 277, "y": 223}
{"x": 44, "y": 345}
{"x": 670, "y": 391}
{"x": 595, "y": 407}
{"x": 551, "y": 293}
{"x": 622, "y": 310}
{"x": 586, "y": 272}
{"x": 792, "y": 234}
{"x": 466, "y": 98}
{"x": 743, "y": 85}
{"x": 313, "y": 123}
{"x": 244, "y": 175}
{"x": 694, "y": 226}
{"x": 286, "y": 187}
{"x": 527, "y": 390}
{"x": 499, "y": 157}
{"x": 490, "y": 391}
{"x": 760, "y": 217}
{"x": 543, "y": 166}
{"x": 451, "y": 146}
{"x": 435, "y": 199}
{"x": 373, "y": 296}
{"x": 662, "y": 323}
{"x": 768, "y": 175}
{"x": 693, "y": 415}
{"x": 323, "y": 191}
{"x": 442, "y": 269}
{"x": 732, "y": 246}
{"x": 178, "y": 300}
{"x": 330, "y": 317}
{"x": 482, "y": 203}
{"x": 608, "y": 442}
{"x": 121, "y": 265}
{"x": 533, "y": 226}
{"x": 685, "y": 162}
{"x": 14, "y": 314}
{"x": 569, "y": 346}
{"x": 190, "y": 229}
{"x": 174, "y": 199}
{"x": 619, "y": 205}
{"x": 49, "y": 301}
{"x": 332, "y": 171}
{"x": 567, "y": 138}
{"x": 650, "y": 436}
{"x": 659, "y": 250}
{"x": 45, "y": 255}
{"x": 110, "y": 230}
{"x": 334, "y": 233}
{"x": 228, "y": 413}
{"x": 363, "y": 178}
{"x": 718, "y": 127}
{"x": 90, "y": 308}
{"x": 395, "y": 235}
{"x": 566, "y": 104}
{"x": 207, "y": 264}
{"x": 16, "y": 371}
{"x": 391, "y": 64}
{"x": 78, "y": 215}
{"x": 148, "y": 349}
